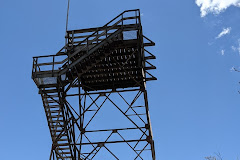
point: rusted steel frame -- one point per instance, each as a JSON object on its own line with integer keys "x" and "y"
{"x": 67, "y": 122}
{"x": 130, "y": 105}
{"x": 90, "y": 143}
{"x": 128, "y": 144}
{"x": 141, "y": 151}
{"x": 89, "y": 106}
{"x": 90, "y": 30}
{"x": 92, "y": 50}
{"x": 154, "y": 78}
{"x": 94, "y": 154}
{"x": 34, "y": 66}
{"x": 67, "y": 103}
{"x": 82, "y": 118}
{"x": 60, "y": 103}
{"x": 80, "y": 112}
{"x": 102, "y": 145}
{"x": 118, "y": 75}
{"x": 140, "y": 138}
{"x": 149, "y": 57}
{"x": 50, "y": 55}
{"x": 60, "y": 51}
{"x": 110, "y": 142}
{"x": 104, "y": 92}
{"x": 149, "y": 40}
{"x": 145, "y": 97}
{"x": 51, "y": 154}
{"x": 63, "y": 131}
{"x": 44, "y": 99}
{"x": 94, "y": 148}
{"x": 125, "y": 115}
{"x": 97, "y": 36}
{"x": 111, "y": 152}
{"x": 93, "y": 101}
{"x": 97, "y": 111}
{"x": 133, "y": 101}
{"x": 74, "y": 121}
{"x": 151, "y": 65}
{"x": 137, "y": 82}
{"x": 119, "y": 129}
{"x": 84, "y": 104}
{"x": 102, "y": 71}
{"x": 73, "y": 139}
{"x": 74, "y": 81}
{"x": 119, "y": 16}
{"x": 44, "y": 105}
{"x": 58, "y": 122}
{"x": 65, "y": 117}
{"x": 110, "y": 71}
{"x": 70, "y": 85}
{"x": 87, "y": 41}
{"x": 83, "y": 58}
{"x": 149, "y": 123}
{"x": 55, "y": 155}
{"x": 128, "y": 59}
{"x": 73, "y": 64}
{"x": 82, "y": 85}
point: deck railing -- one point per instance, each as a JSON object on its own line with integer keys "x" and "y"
{"x": 51, "y": 65}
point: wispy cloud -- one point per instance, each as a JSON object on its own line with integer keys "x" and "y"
{"x": 236, "y": 48}
{"x": 232, "y": 69}
{"x": 215, "y": 6}
{"x": 222, "y": 52}
{"x": 224, "y": 32}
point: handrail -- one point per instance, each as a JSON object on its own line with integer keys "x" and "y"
{"x": 107, "y": 24}
{"x": 104, "y": 31}
{"x": 51, "y": 55}
{"x": 90, "y": 35}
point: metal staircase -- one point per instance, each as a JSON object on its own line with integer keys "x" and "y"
{"x": 108, "y": 57}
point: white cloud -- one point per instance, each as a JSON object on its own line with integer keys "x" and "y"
{"x": 224, "y": 32}
{"x": 215, "y": 6}
{"x": 236, "y": 48}
{"x": 222, "y": 52}
{"x": 232, "y": 69}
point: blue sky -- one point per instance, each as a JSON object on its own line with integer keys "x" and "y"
{"x": 194, "y": 105}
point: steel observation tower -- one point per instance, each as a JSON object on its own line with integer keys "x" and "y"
{"x": 94, "y": 92}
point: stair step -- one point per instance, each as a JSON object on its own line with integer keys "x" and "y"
{"x": 63, "y": 140}
{"x": 55, "y": 111}
{"x": 54, "y": 106}
{"x": 47, "y": 85}
{"x": 65, "y": 153}
{"x": 56, "y": 121}
{"x": 59, "y": 148}
{"x": 56, "y": 130}
{"x": 48, "y": 91}
{"x": 52, "y": 116}
{"x": 51, "y": 101}
{"x": 63, "y": 135}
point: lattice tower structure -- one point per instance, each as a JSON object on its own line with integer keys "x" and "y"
{"x": 94, "y": 92}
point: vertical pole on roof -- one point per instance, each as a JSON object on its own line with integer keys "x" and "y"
{"x": 67, "y": 22}
{"x": 67, "y": 15}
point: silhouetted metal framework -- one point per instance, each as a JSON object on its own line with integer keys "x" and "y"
{"x": 94, "y": 92}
